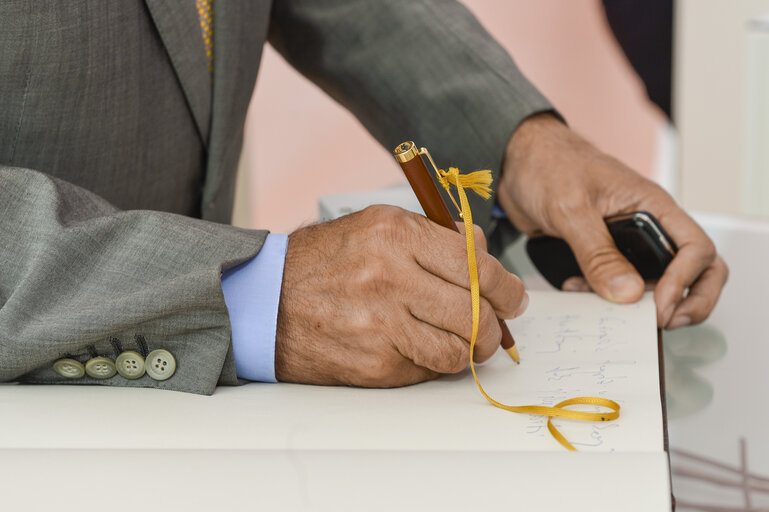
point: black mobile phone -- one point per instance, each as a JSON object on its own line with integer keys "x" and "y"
{"x": 638, "y": 236}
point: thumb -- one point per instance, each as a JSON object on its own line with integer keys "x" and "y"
{"x": 605, "y": 268}
{"x": 478, "y": 236}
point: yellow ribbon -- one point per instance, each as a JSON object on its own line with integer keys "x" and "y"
{"x": 480, "y": 182}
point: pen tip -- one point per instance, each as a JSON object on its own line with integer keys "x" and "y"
{"x": 513, "y": 353}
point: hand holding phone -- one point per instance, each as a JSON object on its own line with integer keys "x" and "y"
{"x": 638, "y": 236}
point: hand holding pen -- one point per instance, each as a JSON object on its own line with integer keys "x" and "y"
{"x": 379, "y": 298}
{"x": 410, "y": 160}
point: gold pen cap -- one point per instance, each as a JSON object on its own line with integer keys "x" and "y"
{"x": 406, "y": 151}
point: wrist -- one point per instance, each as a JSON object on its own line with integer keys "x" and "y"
{"x": 532, "y": 130}
{"x": 528, "y": 161}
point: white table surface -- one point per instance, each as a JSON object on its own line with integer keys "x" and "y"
{"x": 165, "y": 453}
{"x": 717, "y": 380}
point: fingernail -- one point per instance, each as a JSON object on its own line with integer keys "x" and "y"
{"x": 522, "y": 308}
{"x": 679, "y": 321}
{"x": 624, "y": 288}
{"x": 668, "y": 314}
{"x": 575, "y": 284}
{"x": 570, "y": 285}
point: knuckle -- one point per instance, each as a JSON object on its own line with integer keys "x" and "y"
{"x": 723, "y": 268}
{"x": 703, "y": 306}
{"x": 487, "y": 265}
{"x": 375, "y": 372}
{"x": 479, "y": 235}
{"x": 659, "y": 199}
{"x": 571, "y": 203}
{"x": 455, "y": 358}
{"x": 373, "y": 275}
{"x": 363, "y": 321}
{"x": 699, "y": 316}
{"x": 514, "y": 298}
{"x": 600, "y": 261}
{"x": 489, "y": 331}
{"x": 389, "y": 223}
{"x": 709, "y": 253}
{"x": 488, "y": 319}
{"x": 380, "y": 211}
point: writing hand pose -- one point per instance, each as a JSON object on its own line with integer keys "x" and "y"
{"x": 380, "y": 298}
{"x": 555, "y": 182}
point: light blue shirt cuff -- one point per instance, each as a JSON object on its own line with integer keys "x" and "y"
{"x": 252, "y": 294}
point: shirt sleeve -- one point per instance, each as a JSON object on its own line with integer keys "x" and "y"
{"x": 252, "y": 294}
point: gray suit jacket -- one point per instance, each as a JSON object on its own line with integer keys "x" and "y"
{"x": 118, "y": 154}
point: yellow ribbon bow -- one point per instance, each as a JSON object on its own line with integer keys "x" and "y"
{"x": 480, "y": 183}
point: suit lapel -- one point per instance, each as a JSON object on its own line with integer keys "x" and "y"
{"x": 240, "y": 30}
{"x": 178, "y": 25}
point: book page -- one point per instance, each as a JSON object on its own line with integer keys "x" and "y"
{"x": 571, "y": 344}
{"x": 345, "y": 480}
{"x": 581, "y": 345}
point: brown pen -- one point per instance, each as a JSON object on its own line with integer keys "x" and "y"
{"x": 410, "y": 160}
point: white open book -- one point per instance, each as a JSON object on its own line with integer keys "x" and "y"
{"x": 433, "y": 446}
{"x": 436, "y": 445}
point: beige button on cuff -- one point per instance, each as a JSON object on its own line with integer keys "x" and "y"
{"x": 100, "y": 368}
{"x": 130, "y": 364}
{"x": 160, "y": 364}
{"x": 69, "y": 368}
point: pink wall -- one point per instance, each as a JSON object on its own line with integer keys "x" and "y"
{"x": 564, "y": 47}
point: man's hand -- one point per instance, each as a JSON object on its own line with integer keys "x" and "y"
{"x": 380, "y": 298}
{"x": 555, "y": 182}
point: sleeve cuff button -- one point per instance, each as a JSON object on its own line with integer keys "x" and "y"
{"x": 100, "y": 368}
{"x": 130, "y": 365}
{"x": 160, "y": 364}
{"x": 69, "y": 368}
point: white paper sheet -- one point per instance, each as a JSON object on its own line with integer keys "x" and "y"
{"x": 335, "y": 480}
{"x": 579, "y": 345}
{"x": 571, "y": 344}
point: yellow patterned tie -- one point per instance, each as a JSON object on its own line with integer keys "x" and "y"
{"x": 205, "y": 15}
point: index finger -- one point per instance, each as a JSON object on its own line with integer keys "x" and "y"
{"x": 443, "y": 252}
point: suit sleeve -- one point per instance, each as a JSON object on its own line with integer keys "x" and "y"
{"x": 83, "y": 279}
{"x": 422, "y": 70}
